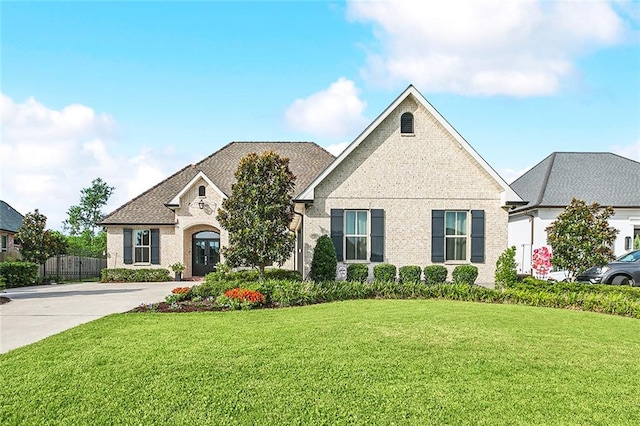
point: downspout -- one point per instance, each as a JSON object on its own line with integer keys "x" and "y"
{"x": 531, "y": 250}
{"x": 299, "y": 251}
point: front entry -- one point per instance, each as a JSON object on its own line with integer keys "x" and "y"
{"x": 206, "y": 252}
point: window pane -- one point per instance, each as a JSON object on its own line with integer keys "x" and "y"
{"x": 361, "y": 248}
{"x": 362, "y": 223}
{"x": 450, "y": 223}
{"x": 350, "y": 252}
{"x": 461, "y": 223}
{"x": 350, "y": 223}
{"x": 461, "y": 248}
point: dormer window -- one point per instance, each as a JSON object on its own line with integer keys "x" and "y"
{"x": 406, "y": 123}
{"x": 201, "y": 191}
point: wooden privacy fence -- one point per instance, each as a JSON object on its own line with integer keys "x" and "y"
{"x": 69, "y": 267}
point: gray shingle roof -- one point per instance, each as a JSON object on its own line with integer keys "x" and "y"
{"x": 306, "y": 161}
{"x": 602, "y": 177}
{"x": 10, "y": 219}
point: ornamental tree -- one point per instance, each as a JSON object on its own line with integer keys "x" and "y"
{"x": 38, "y": 244}
{"x": 258, "y": 212}
{"x": 324, "y": 261}
{"x": 581, "y": 237}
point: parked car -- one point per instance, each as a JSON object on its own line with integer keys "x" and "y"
{"x": 625, "y": 270}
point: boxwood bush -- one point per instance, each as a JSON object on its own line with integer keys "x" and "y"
{"x": 435, "y": 274}
{"x": 465, "y": 274}
{"x": 409, "y": 274}
{"x": 357, "y": 272}
{"x": 385, "y": 272}
{"x": 125, "y": 275}
{"x": 19, "y": 274}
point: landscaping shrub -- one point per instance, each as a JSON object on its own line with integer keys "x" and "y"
{"x": 385, "y": 272}
{"x": 465, "y": 274}
{"x": 282, "y": 274}
{"x": 409, "y": 274}
{"x": 240, "y": 298}
{"x": 324, "y": 261}
{"x": 3, "y": 283}
{"x": 134, "y": 275}
{"x": 435, "y": 274}
{"x": 506, "y": 274}
{"x": 357, "y": 272}
{"x": 19, "y": 274}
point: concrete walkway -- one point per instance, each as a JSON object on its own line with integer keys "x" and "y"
{"x": 41, "y": 311}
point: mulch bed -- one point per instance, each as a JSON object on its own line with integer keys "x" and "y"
{"x": 187, "y": 306}
{"x": 4, "y": 300}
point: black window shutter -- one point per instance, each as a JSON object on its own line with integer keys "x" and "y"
{"x": 477, "y": 236}
{"x": 377, "y": 235}
{"x": 406, "y": 123}
{"x": 337, "y": 232}
{"x": 127, "y": 249}
{"x": 155, "y": 246}
{"x": 437, "y": 236}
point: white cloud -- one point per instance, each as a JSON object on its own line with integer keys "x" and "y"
{"x": 47, "y": 156}
{"x": 515, "y": 48}
{"x": 631, "y": 151}
{"x": 333, "y": 112}
{"x": 510, "y": 175}
{"x": 337, "y": 148}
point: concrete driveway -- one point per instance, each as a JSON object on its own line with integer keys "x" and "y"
{"x": 38, "y": 312}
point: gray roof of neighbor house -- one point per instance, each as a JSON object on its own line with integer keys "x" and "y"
{"x": 602, "y": 177}
{"x": 10, "y": 219}
{"x": 306, "y": 161}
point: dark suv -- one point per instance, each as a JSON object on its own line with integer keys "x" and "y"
{"x": 624, "y": 270}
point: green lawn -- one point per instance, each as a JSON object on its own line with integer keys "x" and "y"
{"x": 355, "y": 362}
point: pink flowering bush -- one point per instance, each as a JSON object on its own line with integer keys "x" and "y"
{"x": 542, "y": 262}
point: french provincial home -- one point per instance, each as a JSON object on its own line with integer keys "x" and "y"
{"x": 409, "y": 190}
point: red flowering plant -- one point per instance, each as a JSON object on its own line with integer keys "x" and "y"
{"x": 240, "y": 298}
{"x": 541, "y": 262}
{"x": 178, "y": 294}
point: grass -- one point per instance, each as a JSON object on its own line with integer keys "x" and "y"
{"x": 354, "y": 362}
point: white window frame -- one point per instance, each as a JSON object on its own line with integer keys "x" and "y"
{"x": 142, "y": 247}
{"x": 466, "y": 236}
{"x": 358, "y": 234}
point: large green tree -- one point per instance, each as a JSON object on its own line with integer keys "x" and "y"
{"x": 581, "y": 237}
{"x": 258, "y": 212}
{"x": 37, "y": 244}
{"x": 83, "y": 219}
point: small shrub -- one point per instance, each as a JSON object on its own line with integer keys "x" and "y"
{"x": 3, "y": 283}
{"x": 324, "y": 261}
{"x": 506, "y": 274}
{"x": 464, "y": 274}
{"x": 125, "y": 275}
{"x": 385, "y": 272}
{"x": 19, "y": 274}
{"x": 240, "y": 298}
{"x": 435, "y": 274}
{"x": 282, "y": 274}
{"x": 409, "y": 274}
{"x": 357, "y": 272}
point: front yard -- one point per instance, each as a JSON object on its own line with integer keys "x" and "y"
{"x": 363, "y": 362}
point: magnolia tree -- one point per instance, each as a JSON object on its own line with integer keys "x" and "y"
{"x": 581, "y": 237}
{"x": 258, "y": 212}
{"x": 38, "y": 244}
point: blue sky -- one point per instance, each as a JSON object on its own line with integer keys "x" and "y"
{"x": 133, "y": 91}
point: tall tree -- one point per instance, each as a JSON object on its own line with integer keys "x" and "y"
{"x": 38, "y": 244}
{"x": 581, "y": 237}
{"x": 258, "y": 212}
{"x": 83, "y": 218}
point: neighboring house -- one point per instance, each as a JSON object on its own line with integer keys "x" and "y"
{"x": 408, "y": 191}
{"x": 10, "y": 223}
{"x": 175, "y": 220}
{"x": 602, "y": 177}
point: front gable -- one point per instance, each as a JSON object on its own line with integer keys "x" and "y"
{"x": 432, "y": 162}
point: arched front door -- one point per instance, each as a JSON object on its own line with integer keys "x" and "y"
{"x": 206, "y": 252}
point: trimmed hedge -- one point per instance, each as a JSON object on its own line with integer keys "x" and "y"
{"x": 384, "y": 272}
{"x": 124, "y": 275}
{"x": 435, "y": 274}
{"x": 465, "y": 274}
{"x": 216, "y": 283}
{"x": 19, "y": 274}
{"x": 324, "y": 261}
{"x": 409, "y": 274}
{"x": 357, "y": 272}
